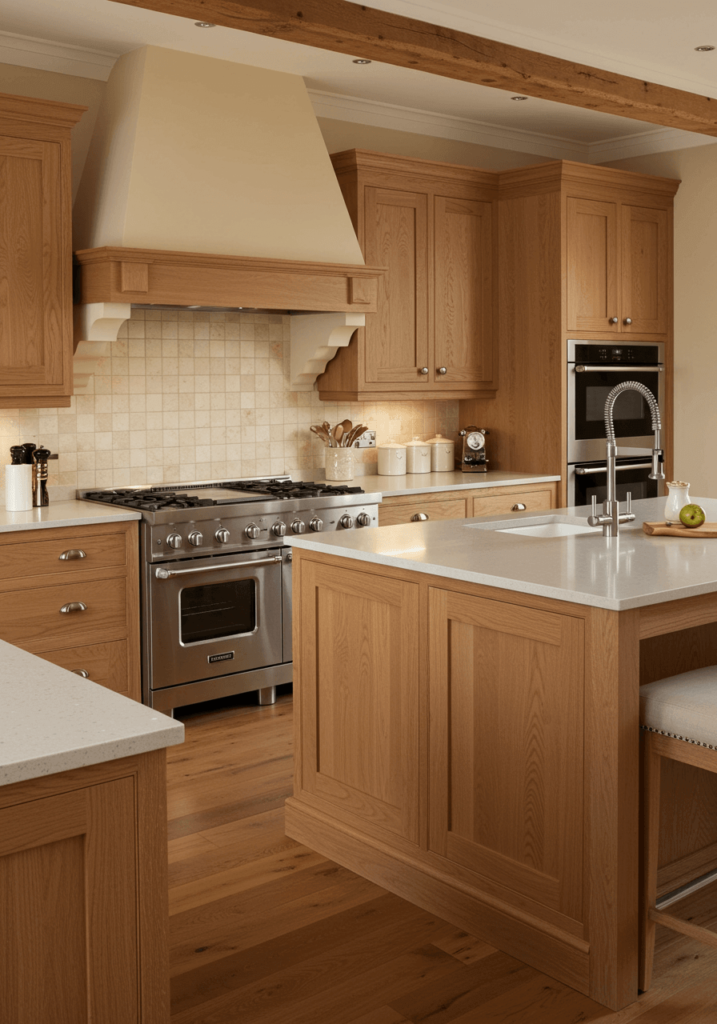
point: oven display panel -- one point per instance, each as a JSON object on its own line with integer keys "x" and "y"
{"x": 216, "y": 610}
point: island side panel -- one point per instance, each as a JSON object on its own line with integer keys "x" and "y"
{"x": 548, "y": 872}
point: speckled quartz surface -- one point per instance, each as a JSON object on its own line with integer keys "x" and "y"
{"x": 53, "y": 721}
{"x": 63, "y": 513}
{"x": 420, "y": 483}
{"x": 629, "y": 571}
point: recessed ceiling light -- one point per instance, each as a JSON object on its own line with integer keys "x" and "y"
{"x": 204, "y": 24}
{"x": 519, "y": 97}
{"x": 361, "y": 60}
{"x": 704, "y": 49}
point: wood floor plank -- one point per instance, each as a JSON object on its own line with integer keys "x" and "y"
{"x": 537, "y": 1000}
{"x": 463, "y": 946}
{"x": 384, "y": 1015}
{"x": 271, "y": 794}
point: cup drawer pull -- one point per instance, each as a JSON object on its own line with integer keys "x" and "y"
{"x": 73, "y": 606}
{"x": 518, "y": 507}
{"x": 72, "y": 554}
{"x": 419, "y": 517}
{"x": 80, "y": 672}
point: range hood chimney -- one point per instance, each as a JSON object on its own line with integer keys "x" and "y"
{"x": 208, "y": 183}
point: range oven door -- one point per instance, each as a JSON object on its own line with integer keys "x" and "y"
{"x": 214, "y": 616}
{"x": 590, "y": 479}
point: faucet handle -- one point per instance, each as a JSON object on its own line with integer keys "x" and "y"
{"x": 594, "y": 505}
{"x": 629, "y": 502}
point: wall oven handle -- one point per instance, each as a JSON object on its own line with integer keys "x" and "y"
{"x": 625, "y": 368}
{"x": 583, "y": 471}
{"x": 164, "y": 574}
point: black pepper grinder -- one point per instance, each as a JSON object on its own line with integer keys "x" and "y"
{"x": 28, "y": 448}
{"x": 40, "y": 497}
{"x": 17, "y": 454}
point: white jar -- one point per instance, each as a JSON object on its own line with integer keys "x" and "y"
{"x": 391, "y": 459}
{"x": 678, "y": 497}
{"x": 339, "y": 463}
{"x": 442, "y": 454}
{"x": 418, "y": 456}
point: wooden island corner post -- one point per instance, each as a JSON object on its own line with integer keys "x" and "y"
{"x": 476, "y": 751}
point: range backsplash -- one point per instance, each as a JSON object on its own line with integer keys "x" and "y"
{"x": 192, "y": 395}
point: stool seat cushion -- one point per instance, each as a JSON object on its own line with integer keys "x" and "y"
{"x": 684, "y": 706}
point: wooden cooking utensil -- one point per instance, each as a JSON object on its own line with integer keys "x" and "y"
{"x": 338, "y": 433}
{"x": 346, "y": 426}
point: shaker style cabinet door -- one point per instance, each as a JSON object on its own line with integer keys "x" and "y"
{"x": 592, "y": 267}
{"x": 506, "y": 751}
{"x": 645, "y": 241}
{"x": 463, "y": 307}
{"x": 397, "y": 335}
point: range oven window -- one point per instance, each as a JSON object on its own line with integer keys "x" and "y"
{"x": 632, "y": 415}
{"x": 217, "y": 610}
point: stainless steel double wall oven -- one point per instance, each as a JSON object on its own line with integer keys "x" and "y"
{"x": 216, "y": 580}
{"x": 594, "y": 368}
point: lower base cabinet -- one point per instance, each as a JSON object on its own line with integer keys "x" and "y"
{"x": 83, "y": 896}
{"x": 464, "y": 504}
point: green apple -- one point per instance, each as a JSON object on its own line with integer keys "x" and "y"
{"x": 692, "y": 516}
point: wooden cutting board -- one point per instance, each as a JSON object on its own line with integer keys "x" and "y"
{"x": 663, "y": 530}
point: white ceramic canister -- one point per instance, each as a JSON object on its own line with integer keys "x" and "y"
{"x": 418, "y": 456}
{"x": 442, "y": 454}
{"x": 339, "y": 463}
{"x": 678, "y": 497}
{"x": 391, "y": 459}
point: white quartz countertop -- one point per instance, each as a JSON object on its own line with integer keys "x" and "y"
{"x": 63, "y": 513}
{"x": 629, "y": 571}
{"x": 421, "y": 483}
{"x": 53, "y": 721}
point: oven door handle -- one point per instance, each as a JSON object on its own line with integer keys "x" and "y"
{"x": 164, "y": 574}
{"x": 582, "y": 471}
{"x": 585, "y": 368}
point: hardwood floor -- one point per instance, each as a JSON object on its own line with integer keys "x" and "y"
{"x": 265, "y": 931}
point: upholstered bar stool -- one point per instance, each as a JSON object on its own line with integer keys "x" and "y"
{"x": 678, "y": 716}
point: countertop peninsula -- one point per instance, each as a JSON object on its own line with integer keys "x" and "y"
{"x": 631, "y": 571}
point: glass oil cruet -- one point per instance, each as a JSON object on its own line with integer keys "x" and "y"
{"x": 678, "y": 497}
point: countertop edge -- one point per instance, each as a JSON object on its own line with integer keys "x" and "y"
{"x": 71, "y": 513}
{"x": 476, "y": 482}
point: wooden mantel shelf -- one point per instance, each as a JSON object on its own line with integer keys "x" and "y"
{"x": 115, "y": 274}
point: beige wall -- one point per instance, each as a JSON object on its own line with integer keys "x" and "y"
{"x": 695, "y": 309}
{"x": 49, "y": 85}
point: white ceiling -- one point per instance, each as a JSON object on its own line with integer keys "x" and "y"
{"x": 650, "y": 39}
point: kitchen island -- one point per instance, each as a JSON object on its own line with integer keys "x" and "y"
{"x": 468, "y": 720}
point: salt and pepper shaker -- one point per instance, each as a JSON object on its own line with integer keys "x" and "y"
{"x": 40, "y": 497}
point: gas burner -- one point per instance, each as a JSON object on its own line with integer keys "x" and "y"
{"x": 284, "y": 489}
{"x": 149, "y": 500}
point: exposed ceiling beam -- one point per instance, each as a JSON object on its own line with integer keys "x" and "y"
{"x": 365, "y": 32}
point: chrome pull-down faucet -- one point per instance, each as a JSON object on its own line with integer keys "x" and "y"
{"x": 611, "y": 516}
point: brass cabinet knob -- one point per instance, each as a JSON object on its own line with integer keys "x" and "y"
{"x": 627, "y": 320}
{"x": 73, "y": 606}
{"x": 613, "y": 319}
{"x": 419, "y": 517}
{"x": 72, "y": 554}
{"x": 423, "y": 370}
{"x": 518, "y": 507}
{"x": 442, "y": 370}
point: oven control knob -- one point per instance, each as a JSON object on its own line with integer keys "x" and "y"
{"x": 317, "y": 524}
{"x": 174, "y": 540}
{"x": 279, "y": 529}
{"x": 298, "y": 527}
{"x": 195, "y": 538}
{"x": 223, "y": 535}
{"x": 252, "y": 531}
{"x": 346, "y": 522}
{"x": 363, "y": 519}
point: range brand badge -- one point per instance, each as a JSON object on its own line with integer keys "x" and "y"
{"x": 229, "y": 656}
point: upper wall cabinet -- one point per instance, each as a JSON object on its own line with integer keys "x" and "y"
{"x": 617, "y": 270}
{"x": 431, "y": 226}
{"x": 35, "y": 252}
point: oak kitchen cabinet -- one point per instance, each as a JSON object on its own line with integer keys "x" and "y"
{"x": 432, "y": 226}
{"x": 582, "y": 249}
{"x": 71, "y": 596}
{"x": 36, "y": 252}
{"x": 462, "y": 504}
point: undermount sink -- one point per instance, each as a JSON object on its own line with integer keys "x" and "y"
{"x": 547, "y": 530}
{"x": 548, "y": 526}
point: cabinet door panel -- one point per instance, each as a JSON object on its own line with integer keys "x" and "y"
{"x": 644, "y": 270}
{"x": 359, "y": 696}
{"x": 393, "y": 515}
{"x": 397, "y": 335}
{"x": 506, "y": 763}
{"x": 592, "y": 271}
{"x": 493, "y": 505}
{"x": 106, "y": 664}
{"x": 34, "y": 271}
{"x": 463, "y": 316}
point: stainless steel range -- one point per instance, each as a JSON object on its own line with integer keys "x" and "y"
{"x": 216, "y": 579}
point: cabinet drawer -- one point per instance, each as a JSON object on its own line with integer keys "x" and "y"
{"x": 105, "y": 664}
{"x": 29, "y": 617}
{"x": 393, "y": 515}
{"x": 496, "y": 504}
{"x": 31, "y": 556}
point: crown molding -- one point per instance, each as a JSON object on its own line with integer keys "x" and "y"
{"x": 43, "y": 55}
{"x": 423, "y": 122}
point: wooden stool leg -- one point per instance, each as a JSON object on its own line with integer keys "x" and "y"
{"x": 651, "y": 763}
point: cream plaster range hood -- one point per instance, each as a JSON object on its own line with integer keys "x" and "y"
{"x": 208, "y": 184}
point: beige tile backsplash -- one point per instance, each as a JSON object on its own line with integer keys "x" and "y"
{"x": 193, "y": 395}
